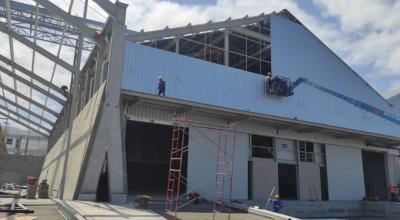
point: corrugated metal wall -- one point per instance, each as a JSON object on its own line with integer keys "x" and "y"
{"x": 345, "y": 173}
{"x": 200, "y": 81}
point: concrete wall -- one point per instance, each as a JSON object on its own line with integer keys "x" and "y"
{"x": 81, "y": 136}
{"x": 15, "y": 168}
{"x": 265, "y": 177}
{"x": 345, "y": 173}
{"x": 202, "y": 163}
{"x": 309, "y": 181}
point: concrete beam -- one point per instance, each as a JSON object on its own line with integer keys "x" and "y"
{"x": 30, "y": 44}
{"x": 239, "y": 118}
{"x": 81, "y": 26}
{"x": 184, "y": 109}
{"x": 34, "y": 86}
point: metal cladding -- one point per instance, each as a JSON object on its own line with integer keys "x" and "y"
{"x": 204, "y": 82}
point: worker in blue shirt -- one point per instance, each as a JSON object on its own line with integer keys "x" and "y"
{"x": 161, "y": 86}
{"x": 276, "y": 203}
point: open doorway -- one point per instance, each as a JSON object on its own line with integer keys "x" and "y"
{"x": 374, "y": 175}
{"x": 147, "y": 157}
{"x": 287, "y": 178}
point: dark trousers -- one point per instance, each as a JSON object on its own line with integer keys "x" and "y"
{"x": 161, "y": 92}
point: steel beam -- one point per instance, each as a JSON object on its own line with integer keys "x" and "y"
{"x": 30, "y": 44}
{"x": 25, "y": 118}
{"x": 251, "y": 33}
{"x": 27, "y": 110}
{"x": 107, "y": 6}
{"x": 32, "y": 85}
{"x": 26, "y": 98}
{"x": 191, "y": 29}
{"x": 24, "y": 125}
{"x": 81, "y": 26}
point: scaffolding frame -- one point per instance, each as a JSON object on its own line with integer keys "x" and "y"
{"x": 175, "y": 200}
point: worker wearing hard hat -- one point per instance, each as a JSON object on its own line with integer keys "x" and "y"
{"x": 276, "y": 203}
{"x": 161, "y": 86}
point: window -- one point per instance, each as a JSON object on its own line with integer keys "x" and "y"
{"x": 306, "y": 151}
{"x": 9, "y": 141}
{"x": 262, "y": 146}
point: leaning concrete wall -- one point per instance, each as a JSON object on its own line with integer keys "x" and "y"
{"x": 15, "y": 168}
{"x": 81, "y": 136}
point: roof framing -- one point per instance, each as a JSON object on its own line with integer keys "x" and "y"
{"x": 193, "y": 29}
{"x": 24, "y": 125}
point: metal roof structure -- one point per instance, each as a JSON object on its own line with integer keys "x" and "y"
{"x": 33, "y": 94}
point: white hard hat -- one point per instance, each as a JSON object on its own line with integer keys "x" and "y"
{"x": 159, "y": 77}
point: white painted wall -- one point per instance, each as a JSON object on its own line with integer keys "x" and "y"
{"x": 202, "y": 163}
{"x": 345, "y": 173}
{"x": 265, "y": 177}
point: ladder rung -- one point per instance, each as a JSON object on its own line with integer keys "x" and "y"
{"x": 224, "y": 174}
{"x": 174, "y": 170}
{"x": 176, "y": 158}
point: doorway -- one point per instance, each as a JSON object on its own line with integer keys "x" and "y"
{"x": 287, "y": 178}
{"x": 147, "y": 157}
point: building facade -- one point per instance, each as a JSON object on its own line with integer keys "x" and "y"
{"x": 23, "y": 142}
{"x": 335, "y": 138}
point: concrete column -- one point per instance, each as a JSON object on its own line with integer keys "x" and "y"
{"x": 226, "y": 48}
{"x": 177, "y": 41}
{"x": 108, "y": 137}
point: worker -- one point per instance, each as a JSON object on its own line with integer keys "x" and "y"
{"x": 276, "y": 203}
{"x": 270, "y": 80}
{"x": 261, "y": 22}
{"x": 161, "y": 86}
{"x": 392, "y": 192}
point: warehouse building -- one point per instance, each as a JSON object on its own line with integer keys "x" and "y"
{"x": 331, "y": 137}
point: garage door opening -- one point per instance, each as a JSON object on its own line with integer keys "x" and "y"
{"x": 287, "y": 175}
{"x": 374, "y": 175}
{"x": 147, "y": 158}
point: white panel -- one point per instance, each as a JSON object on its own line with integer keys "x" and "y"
{"x": 202, "y": 163}
{"x": 345, "y": 173}
{"x": 265, "y": 177}
{"x": 285, "y": 150}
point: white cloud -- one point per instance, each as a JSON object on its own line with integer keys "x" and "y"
{"x": 373, "y": 27}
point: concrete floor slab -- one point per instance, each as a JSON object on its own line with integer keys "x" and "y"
{"x": 44, "y": 209}
{"x": 103, "y": 211}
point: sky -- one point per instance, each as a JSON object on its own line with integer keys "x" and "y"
{"x": 364, "y": 33}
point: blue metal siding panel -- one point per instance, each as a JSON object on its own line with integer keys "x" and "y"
{"x": 204, "y": 82}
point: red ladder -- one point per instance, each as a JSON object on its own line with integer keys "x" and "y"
{"x": 224, "y": 171}
{"x": 178, "y": 147}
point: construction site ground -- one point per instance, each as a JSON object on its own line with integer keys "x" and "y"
{"x": 44, "y": 209}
